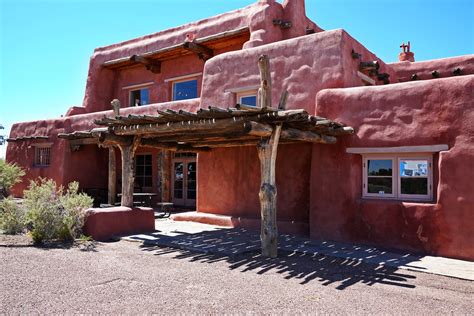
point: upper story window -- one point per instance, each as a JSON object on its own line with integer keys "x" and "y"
{"x": 247, "y": 98}
{"x": 139, "y": 97}
{"x": 185, "y": 89}
{"x": 42, "y": 155}
{"x": 404, "y": 177}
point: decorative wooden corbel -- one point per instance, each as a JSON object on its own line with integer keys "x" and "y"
{"x": 152, "y": 65}
{"x": 202, "y": 51}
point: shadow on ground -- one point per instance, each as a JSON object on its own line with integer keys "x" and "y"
{"x": 240, "y": 250}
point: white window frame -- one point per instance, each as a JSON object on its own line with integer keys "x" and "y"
{"x": 396, "y": 178}
{"x": 365, "y": 185}
{"x": 248, "y": 93}
{"x": 173, "y": 83}
{"x": 38, "y": 148}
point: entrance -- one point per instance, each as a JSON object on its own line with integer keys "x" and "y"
{"x": 184, "y": 168}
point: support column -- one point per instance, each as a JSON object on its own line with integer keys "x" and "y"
{"x": 164, "y": 161}
{"x": 267, "y": 153}
{"x": 112, "y": 188}
{"x": 128, "y": 175}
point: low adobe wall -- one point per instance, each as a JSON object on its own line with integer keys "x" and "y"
{"x": 103, "y": 224}
{"x": 406, "y": 114}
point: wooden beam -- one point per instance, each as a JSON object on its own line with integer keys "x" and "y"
{"x": 267, "y": 153}
{"x": 265, "y": 90}
{"x": 283, "y": 99}
{"x": 152, "y": 65}
{"x": 164, "y": 174}
{"x": 171, "y": 146}
{"x": 306, "y": 136}
{"x": 210, "y": 126}
{"x": 112, "y": 185}
{"x": 202, "y": 51}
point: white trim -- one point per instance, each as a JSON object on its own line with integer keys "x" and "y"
{"x": 366, "y": 78}
{"x": 396, "y": 178}
{"x": 396, "y": 150}
{"x": 137, "y": 86}
{"x": 242, "y": 89}
{"x": 197, "y": 74}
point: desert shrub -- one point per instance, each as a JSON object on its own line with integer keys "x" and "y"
{"x": 10, "y": 174}
{"x": 53, "y": 213}
{"x": 11, "y": 217}
{"x": 74, "y": 205}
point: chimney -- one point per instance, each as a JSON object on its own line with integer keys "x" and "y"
{"x": 406, "y": 55}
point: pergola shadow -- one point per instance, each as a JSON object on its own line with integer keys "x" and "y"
{"x": 241, "y": 251}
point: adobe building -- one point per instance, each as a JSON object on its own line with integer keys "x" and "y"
{"x": 368, "y": 152}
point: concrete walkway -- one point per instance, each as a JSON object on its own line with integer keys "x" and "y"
{"x": 218, "y": 240}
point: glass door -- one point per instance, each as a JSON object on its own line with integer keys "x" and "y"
{"x": 184, "y": 180}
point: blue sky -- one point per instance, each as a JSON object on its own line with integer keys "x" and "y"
{"x": 45, "y": 45}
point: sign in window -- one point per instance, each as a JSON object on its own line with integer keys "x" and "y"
{"x": 183, "y": 90}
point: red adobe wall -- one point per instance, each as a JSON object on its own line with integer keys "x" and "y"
{"x": 229, "y": 179}
{"x": 406, "y": 114}
{"x": 424, "y": 69}
{"x": 258, "y": 17}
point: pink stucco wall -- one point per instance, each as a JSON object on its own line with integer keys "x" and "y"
{"x": 406, "y": 114}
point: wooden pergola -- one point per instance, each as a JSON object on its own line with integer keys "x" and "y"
{"x": 180, "y": 131}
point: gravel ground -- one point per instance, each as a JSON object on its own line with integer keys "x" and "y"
{"x": 128, "y": 278}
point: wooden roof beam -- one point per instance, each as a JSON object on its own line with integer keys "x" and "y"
{"x": 152, "y": 65}
{"x": 202, "y": 51}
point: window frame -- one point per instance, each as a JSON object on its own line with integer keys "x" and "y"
{"x": 142, "y": 186}
{"x": 247, "y": 93}
{"x": 186, "y": 79}
{"x": 365, "y": 185}
{"x": 130, "y": 102}
{"x": 396, "y": 178}
{"x": 38, "y": 148}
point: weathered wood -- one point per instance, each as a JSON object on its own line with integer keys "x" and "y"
{"x": 152, "y": 65}
{"x": 171, "y": 146}
{"x": 115, "y": 103}
{"x": 164, "y": 174}
{"x": 267, "y": 153}
{"x": 210, "y": 126}
{"x": 128, "y": 175}
{"x": 202, "y": 51}
{"x": 265, "y": 90}
{"x": 306, "y": 136}
{"x": 112, "y": 189}
{"x": 283, "y": 99}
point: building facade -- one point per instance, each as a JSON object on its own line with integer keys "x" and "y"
{"x": 402, "y": 180}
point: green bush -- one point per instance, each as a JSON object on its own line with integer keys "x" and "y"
{"x": 10, "y": 174}
{"x": 11, "y": 217}
{"x": 53, "y": 213}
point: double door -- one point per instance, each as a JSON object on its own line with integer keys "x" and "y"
{"x": 184, "y": 186}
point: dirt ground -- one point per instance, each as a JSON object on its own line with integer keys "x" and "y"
{"x": 128, "y": 278}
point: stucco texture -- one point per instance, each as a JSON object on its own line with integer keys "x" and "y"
{"x": 406, "y": 114}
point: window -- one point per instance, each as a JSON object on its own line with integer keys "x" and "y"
{"x": 143, "y": 171}
{"x": 42, "y": 156}
{"x": 139, "y": 97}
{"x": 247, "y": 98}
{"x": 406, "y": 177}
{"x": 186, "y": 89}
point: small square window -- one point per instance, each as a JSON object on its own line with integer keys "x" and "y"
{"x": 183, "y": 90}
{"x": 139, "y": 97}
{"x": 42, "y": 156}
{"x": 248, "y": 98}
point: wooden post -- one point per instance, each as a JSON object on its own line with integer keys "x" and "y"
{"x": 267, "y": 152}
{"x": 265, "y": 90}
{"x": 128, "y": 175}
{"x": 112, "y": 191}
{"x": 164, "y": 162}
